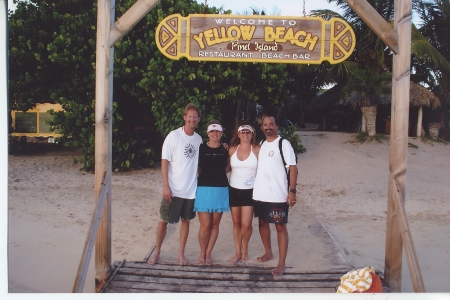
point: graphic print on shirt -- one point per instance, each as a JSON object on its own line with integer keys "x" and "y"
{"x": 249, "y": 182}
{"x": 189, "y": 151}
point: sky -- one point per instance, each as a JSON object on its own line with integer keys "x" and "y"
{"x": 286, "y": 7}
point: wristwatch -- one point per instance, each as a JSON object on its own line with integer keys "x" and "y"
{"x": 293, "y": 191}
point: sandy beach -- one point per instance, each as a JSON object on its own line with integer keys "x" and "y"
{"x": 342, "y": 188}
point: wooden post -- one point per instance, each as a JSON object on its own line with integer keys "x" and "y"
{"x": 103, "y": 134}
{"x": 419, "y": 121}
{"x": 106, "y": 38}
{"x": 398, "y": 142}
{"x": 399, "y": 41}
{"x": 4, "y": 131}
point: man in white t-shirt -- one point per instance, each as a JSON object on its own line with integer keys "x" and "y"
{"x": 179, "y": 162}
{"x": 271, "y": 195}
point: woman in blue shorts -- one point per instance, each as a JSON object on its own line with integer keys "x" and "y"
{"x": 211, "y": 199}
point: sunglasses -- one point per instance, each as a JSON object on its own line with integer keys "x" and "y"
{"x": 245, "y": 132}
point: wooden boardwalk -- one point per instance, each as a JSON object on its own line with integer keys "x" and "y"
{"x": 138, "y": 277}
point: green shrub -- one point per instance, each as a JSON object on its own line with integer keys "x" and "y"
{"x": 288, "y": 132}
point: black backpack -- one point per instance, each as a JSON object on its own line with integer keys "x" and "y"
{"x": 287, "y": 170}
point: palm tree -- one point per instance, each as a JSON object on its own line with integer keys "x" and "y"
{"x": 430, "y": 46}
{"x": 432, "y": 69}
{"x": 366, "y": 89}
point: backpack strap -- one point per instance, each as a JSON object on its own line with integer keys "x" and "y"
{"x": 280, "y": 145}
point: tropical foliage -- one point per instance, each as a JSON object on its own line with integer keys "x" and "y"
{"x": 429, "y": 60}
{"x": 52, "y": 58}
{"x": 433, "y": 68}
{"x": 365, "y": 88}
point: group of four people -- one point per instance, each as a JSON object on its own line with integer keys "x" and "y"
{"x": 195, "y": 180}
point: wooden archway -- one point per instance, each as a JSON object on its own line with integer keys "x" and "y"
{"x": 398, "y": 39}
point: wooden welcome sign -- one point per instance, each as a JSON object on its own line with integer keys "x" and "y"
{"x": 269, "y": 39}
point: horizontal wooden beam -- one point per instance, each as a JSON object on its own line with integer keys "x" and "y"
{"x": 376, "y": 22}
{"x": 130, "y": 18}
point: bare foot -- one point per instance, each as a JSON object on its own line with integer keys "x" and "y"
{"x": 201, "y": 259}
{"x": 234, "y": 259}
{"x": 265, "y": 257}
{"x": 208, "y": 260}
{"x": 154, "y": 257}
{"x": 279, "y": 270}
{"x": 183, "y": 261}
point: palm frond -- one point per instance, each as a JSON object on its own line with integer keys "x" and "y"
{"x": 427, "y": 52}
{"x": 422, "y": 48}
{"x": 325, "y": 14}
{"x": 341, "y": 71}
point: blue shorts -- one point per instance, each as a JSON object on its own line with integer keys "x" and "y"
{"x": 212, "y": 199}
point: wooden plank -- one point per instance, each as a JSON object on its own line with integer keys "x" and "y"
{"x": 136, "y": 290}
{"x": 90, "y": 239}
{"x": 130, "y": 18}
{"x": 376, "y": 22}
{"x": 189, "y": 288}
{"x": 236, "y": 282}
{"x": 113, "y": 274}
{"x": 227, "y": 276}
{"x": 128, "y": 290}
{"x": 410, "y": 250}
{"x": 137, "y": 277}
{"x": 223, "y": 268}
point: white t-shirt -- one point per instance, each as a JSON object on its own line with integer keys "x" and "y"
{"x": 271, "y": 180}
{"x": 181, "y": 150}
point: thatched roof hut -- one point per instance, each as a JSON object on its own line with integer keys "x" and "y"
{"x": 334, "y": 97}
{"x": 326, "y": 107}
{"x": 356, "y": 99}
{"x": 420, "y": 96}
{"x": 328, "y": 100}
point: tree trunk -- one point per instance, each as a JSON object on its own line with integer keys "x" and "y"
{"x": 363, "y": 124}
{"x": 419, "y": 122}
{"x": 237, "y": 114}
{"x": 370, "y": 116}
{"x": 302, "y": 119}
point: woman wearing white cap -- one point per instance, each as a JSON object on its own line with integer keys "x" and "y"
{"x": 211, "y": 198}
{"x": 243, "y": 155}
